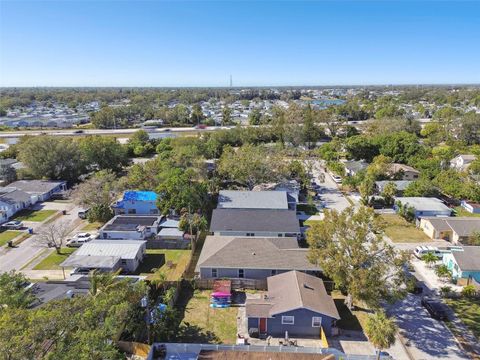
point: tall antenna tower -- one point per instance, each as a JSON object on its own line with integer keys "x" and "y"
{"x": 231, "y": 81}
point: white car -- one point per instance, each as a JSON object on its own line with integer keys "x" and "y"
{"x": 337, "y": 179}
{"x": 80, "y": 239}
{"x": 13, "y": 225}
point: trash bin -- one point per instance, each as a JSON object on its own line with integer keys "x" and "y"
{"x": 10, "y": 243}
{"x": 64, "y": 212}
{"x": 30, "y": 230}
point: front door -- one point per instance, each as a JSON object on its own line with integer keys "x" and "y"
{"x": 262, "y": 325}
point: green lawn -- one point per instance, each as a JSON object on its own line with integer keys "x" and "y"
{"x": 172, "y": 263}
{"x": 308, "y": 209}
{"x": 92, "y": 226}
{"x": 311, "y": 222}
{"x": 460, "y": 211}
{"x": 202, "y": 323}
{"x": 401, "y": 231}
{"x": 349, "y": 320}
{"x": 468, "y": 310}
{"x": 8, "y": 235}
{"x": 34, "y": 215}
{"x": 52, "y": 261}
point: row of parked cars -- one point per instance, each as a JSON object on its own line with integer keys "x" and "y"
{"x": 79, "y": 239}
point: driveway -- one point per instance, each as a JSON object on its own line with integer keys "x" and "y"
{"x": 16, "y": 258}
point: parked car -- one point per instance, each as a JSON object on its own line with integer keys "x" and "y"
{"x": 82, "y": 214}
{"x": 200, "y": 126}
{"x": 423, "y": 250}
{"x": 435, "y": 308}
{"x": 13, "y": 225}
{"x": 78, "y": 132}
{"x": 80, "y": 239}
{"x": 337, "y": 179}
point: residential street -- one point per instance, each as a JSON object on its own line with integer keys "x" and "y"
{"x": 426, "y": 338}
{"x": 332, "y": 197}
{"x": 16, "y": 258}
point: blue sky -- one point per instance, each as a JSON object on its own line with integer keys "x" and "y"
{"x": 199, "y": 43}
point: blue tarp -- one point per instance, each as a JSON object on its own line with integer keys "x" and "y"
{"x": 140, "y": 196}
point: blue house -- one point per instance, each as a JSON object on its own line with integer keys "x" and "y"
{"x": 137, "y": 202}
{"x": 296, "y": 303}
{"x": 464, "y": 264}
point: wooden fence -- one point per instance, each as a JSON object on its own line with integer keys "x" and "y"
{"x": 237, "y": 284}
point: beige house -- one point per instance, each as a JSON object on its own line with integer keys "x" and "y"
{"x": 455, "y": 229}
{"x": 407, "y": 172}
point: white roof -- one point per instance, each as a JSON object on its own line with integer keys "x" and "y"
{"x": 233, "y": 199}
{"x": 424, "y": 203}
{"x": 126, "y": 249}
{"x": 170, "y": 232}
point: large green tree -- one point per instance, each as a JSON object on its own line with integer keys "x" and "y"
{"x": 52, "y": 157}
{"x": 349, "y": 248}
{"x": 103, "y": 152}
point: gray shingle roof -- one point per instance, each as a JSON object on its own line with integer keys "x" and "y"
{"x": 253, "y": 253}
{"x": 468, "y": 259}
{"x": 232, "y": 199}
{"x": 36, "y": 186}
{"x": 293, "y": 290}
{"x": 14, "y": 197}
{"x": 254, "y": 220}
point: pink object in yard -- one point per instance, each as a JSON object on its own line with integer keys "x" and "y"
{"x": 221, "y": 294}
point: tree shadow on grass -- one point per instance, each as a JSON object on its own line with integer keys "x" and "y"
{"x": 189, "y": 333}
{"x": 151, "y": 262}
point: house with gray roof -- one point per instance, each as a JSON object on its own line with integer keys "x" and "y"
{"x": 41, "y": 190}
{"x": 13, "y": 201}
{"x": 296, "y": 303}
{"x": 257, "y": 222}
{"x": 401, "y": 185}
{"x": 270, "y": 200}
{"x": 107, "y": 255}
{"x": 464, "y": 264}
{"x": 423, "y": 206}
{"x": 131, "y": 227}
{"x": 251, "y": 258}
{"x": 354, "y": 167}
{"x": 455, "y": 229}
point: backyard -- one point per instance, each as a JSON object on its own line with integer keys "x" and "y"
{"x": 172, "y": 263}
{"x": 53, "y": 261}
{"x": 34, "y": 215}
{"x": 92, "y": 226}
{"x": 468, "y": 310}
{"x": 201, "y": 323}
{"x": 400, "y": 230}
{"x": 8, "y": 235}
{"x": 349, "y": 320}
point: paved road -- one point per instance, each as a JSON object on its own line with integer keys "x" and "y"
{"x": 332, "y": 196}
{"x": 17, "y": 257}
{"x": 426, "y": 338}
{"x": 71, "y": 132}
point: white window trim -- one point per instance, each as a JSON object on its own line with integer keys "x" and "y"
{"x": 285, "y": 322}
{"x": 216, "y": 271}
{"x": 316, "y": 318}
{"x": 238, "y": 273}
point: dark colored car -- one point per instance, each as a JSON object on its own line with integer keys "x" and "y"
{"x": 78, "y": 132}
{"x": 435, "y": 308}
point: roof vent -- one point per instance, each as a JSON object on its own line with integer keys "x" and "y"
{"x": 253, "y": 253}
{"x": 307, "y": 287}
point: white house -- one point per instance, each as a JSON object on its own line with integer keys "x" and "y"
{"x": 130, "y": 227}
{"x": 461, "y": 162}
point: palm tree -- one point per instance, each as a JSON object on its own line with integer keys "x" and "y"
{"x": 381, "y": 331}
{"x": 429, "y": 258}
{"x": 101, "y": 281}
